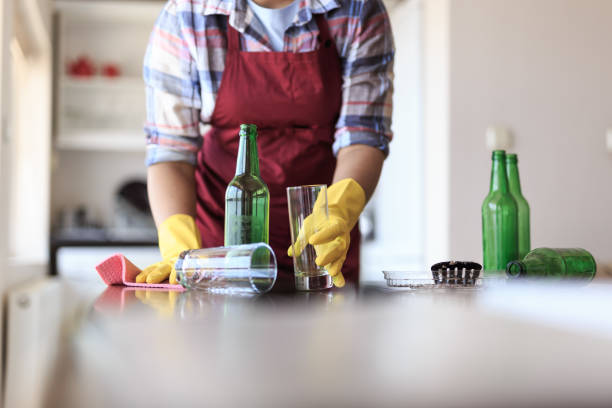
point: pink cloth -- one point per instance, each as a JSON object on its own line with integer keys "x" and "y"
{"x": 118, "y": 270}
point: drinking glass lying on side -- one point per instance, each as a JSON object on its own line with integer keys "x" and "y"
{"x": 249, "y": 268}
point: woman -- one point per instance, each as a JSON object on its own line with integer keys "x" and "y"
{"x": 315, "y": 76}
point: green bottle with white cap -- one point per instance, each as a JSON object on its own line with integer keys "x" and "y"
{"x": 499, "y": 219}
{"x": 514, "y": 185}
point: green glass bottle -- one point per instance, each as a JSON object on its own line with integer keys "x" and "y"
{"x": 560, "y": 263}
{"x": 247, "y": 199}
{"x": 514, "y": 185}
{"x": 499, "y": 219}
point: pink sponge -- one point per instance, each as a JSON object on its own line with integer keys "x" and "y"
{"x": 118, "y": 270}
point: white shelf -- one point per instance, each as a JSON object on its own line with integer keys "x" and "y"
{"x": 101, "y": 114}
{"x": 102, "y": 140}
{"x": 135, "y": 84}
{"x": 111, "y": 10}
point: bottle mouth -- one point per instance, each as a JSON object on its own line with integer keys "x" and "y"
{"x": 498, "y": 154}
{"x": 511, "y": 158}
{"x": 248, "y": 129}
{"x": 514, "y": 269}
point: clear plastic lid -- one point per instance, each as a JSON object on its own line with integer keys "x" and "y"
{"x": 426, "y": 280}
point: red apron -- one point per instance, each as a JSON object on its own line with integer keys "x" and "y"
{"x": 294, "y": 99}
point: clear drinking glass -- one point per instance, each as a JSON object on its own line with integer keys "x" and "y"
{"x": 249, "y": 268}
{"x": 301, "y": 201}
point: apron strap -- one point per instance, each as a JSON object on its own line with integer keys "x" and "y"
{"x": 233, "y": 37}
{"x": 323, "y": 29}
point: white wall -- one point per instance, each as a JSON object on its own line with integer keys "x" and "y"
{"x": 544, "y": 69}
{"x": 435, "y": 60}
{"x": 398, "y": 201}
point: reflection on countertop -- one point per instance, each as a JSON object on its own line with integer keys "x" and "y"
{"x": 179, "y": 304}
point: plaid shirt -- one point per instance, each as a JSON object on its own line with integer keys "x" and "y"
{"x": 185, "y": 60}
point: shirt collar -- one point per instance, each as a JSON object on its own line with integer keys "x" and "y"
{"x": 240, "y": 15}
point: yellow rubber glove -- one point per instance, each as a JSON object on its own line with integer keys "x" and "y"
{"x": 345, "y": 201}
{"x": 176, "y": 234}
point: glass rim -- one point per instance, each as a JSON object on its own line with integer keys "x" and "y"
{"x": 307, "y": 186}
{"x": 257, "y": 288}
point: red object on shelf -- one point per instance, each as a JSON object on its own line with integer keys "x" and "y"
{"x": 82, "y": 67}
{"x": 111, "y": 70}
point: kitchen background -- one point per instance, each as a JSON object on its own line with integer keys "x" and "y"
{"x": 471, "y": 75}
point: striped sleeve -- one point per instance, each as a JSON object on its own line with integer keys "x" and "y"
{"x": 365, "y": 116}
{"x": 172, "y": 91}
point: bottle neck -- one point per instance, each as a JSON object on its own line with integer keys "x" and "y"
{"x": 514, "y": 184}
{"x": 516, "y": 269}
{"x": 499, "y": 181}
{"x": 248, "y": 159}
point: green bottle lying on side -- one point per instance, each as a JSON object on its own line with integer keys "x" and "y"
{"x": 559, "y": 263}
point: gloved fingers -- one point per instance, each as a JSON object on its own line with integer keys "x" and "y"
{"x": 160, "y": 274}
{"x": 320, "y": 203}
{"x": 172, "y": 278}
{"x": 338, "y": 280}
{"x": 332, "y": 229}
{"x": 302, "y": 239}
{"x": 142, "y": 276}
{"x": 335, "y": 267}
{"x": 331, "y": 251}
{"x": 300, "y": 243}
{"x": 319, "y": 218}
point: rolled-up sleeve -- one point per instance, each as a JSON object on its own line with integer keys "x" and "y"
{"x": 365, "y": 116}
{"x": 173, "y": 98}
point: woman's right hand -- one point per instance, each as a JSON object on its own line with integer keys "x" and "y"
{"x": 176, "y": 233}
